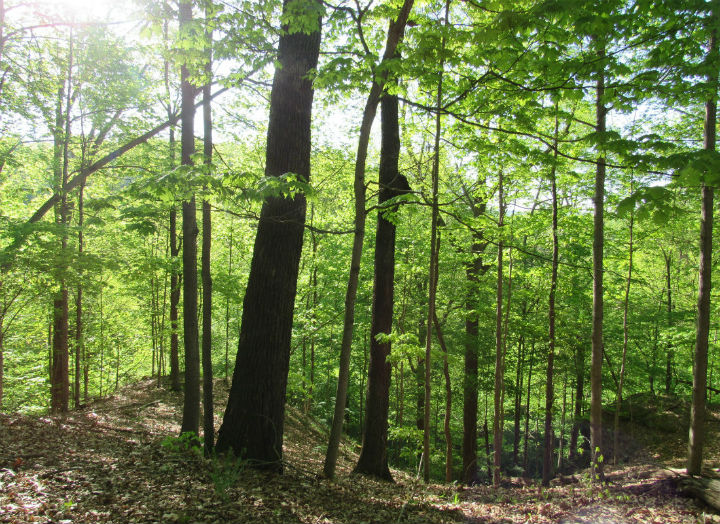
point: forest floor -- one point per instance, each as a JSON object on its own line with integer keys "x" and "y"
{"x": 108, "y": 463}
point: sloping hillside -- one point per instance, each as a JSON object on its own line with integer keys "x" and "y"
{"x": 113, "y": 461}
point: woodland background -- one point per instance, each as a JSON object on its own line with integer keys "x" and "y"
{"x": 530, "y": 131}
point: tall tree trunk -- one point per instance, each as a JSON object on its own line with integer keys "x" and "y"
{"x": 60, "y": 380}
{"x": 448, "y": 402}
{"x": 253, "y": 422}
{"x": 472, "y": 328}
{"x": 433, "y": 270}
{"x": 626, "y": 326}
{"x": 2, "y": 359}
{"x": 174, "y": 302}
{"x": 700, "y": 356}
{"x": 670, "y": 355}
{"x": 79, "y": 337}
{"x": 527, "y": 410}
{"x": 174, "y": 247}
{"x": 373, "y": 455}
{"x": 227, "y": 306}
{"x": 207, "y": 368}
{"x": 497, "y": 421}
{"x": 549, "y": 391}
{"x": 597, "y": 308}
{"x": 518, "y": 400}
{"x": 579, "y": 395}
{"x": 191, "y": 398}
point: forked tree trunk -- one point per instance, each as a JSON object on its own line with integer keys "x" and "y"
{"x": 252, "y": 426}
{"x": 700, "y": 356}
{"x": 373, "y": 458}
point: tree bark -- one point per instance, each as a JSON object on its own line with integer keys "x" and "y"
{"x": 626, "y": 326}
{"x": 470, "y": 378}
{"x": 373, "y": 460}
{"x": 191, "y": 399}
{"x": 497, "y": 422}
{"x": 79, "y": 340}
{"x": 670, "y": 355}
{"x": 373, "y": 457}
{"x": 448, "y": 401}
{"x": 549, "y": 390}
{"x": 207, "y": 367}
{"x": 700, "y": 356}
{"x": 597, "y": 308}
{"x": 253, "y": 422}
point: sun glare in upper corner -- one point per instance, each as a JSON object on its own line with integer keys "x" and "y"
{"x": 84, "y": 10}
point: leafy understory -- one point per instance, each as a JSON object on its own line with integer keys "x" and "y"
{"x": 120, "y": 460}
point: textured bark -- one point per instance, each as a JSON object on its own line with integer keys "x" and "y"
{"x": 527, "y": 410}
{"x": 597, "y": 307}
{"x": 700, "y": 356}
{"x": 59, "y": 377}
{"x": 252, "y": 426}
{"x": 191, "y": 399}
{"x": 371, "y": 460}
{"x": 518, "y": 400}
{"x": 373, "y": 457}
{"x": 470, "y": 379}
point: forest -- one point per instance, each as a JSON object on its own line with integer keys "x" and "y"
{"x": 467, "y": 242}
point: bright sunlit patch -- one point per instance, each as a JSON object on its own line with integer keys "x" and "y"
{"x": 84, "y": 10}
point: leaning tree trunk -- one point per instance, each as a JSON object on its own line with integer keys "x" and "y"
{"x": 371, "y": 460}
{"x": 597, "y": 307}
{"x": 700, "y": 357}
{"x": 191, "y": 402}
{"x": 252, "y": 426}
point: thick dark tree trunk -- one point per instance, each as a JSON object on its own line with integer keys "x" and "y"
{"x": 253, "y": 422}
{"x": 369, "y": 461}
{"x": 60, "y": 379}
{"x": 373, "y": 457}
{"x": 700, "y": 357}
{"x": 597, "y": 308}
{"x": 191, "y": 403}
{"x": 472, "y": 329}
